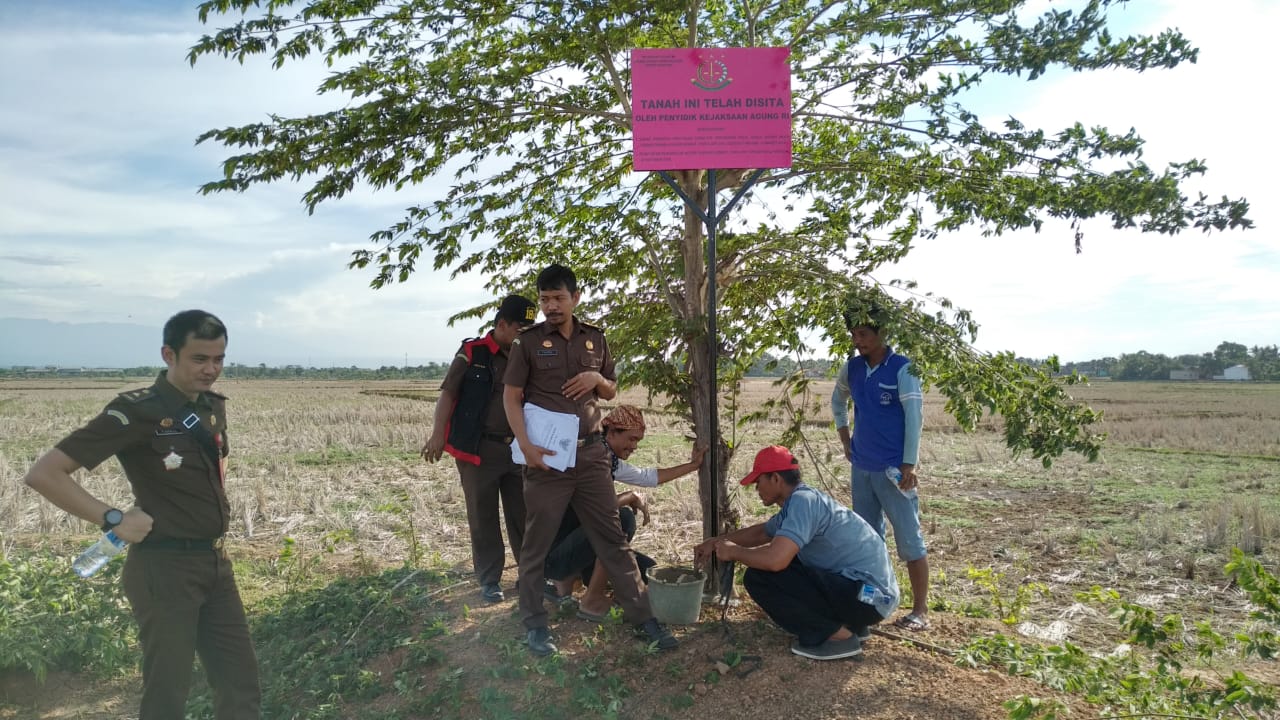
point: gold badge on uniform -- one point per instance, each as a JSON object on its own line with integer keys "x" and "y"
{"x": 213, "y": 420}
{"x": 172, "y": 461}
{"x": 590, "y": 345}
{"x": 546, "y": 343}
{"x": 166, "y": 423}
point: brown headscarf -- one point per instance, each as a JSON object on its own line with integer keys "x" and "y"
{"x": 624, "y": 417}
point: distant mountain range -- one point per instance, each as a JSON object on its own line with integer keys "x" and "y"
{"x": 40, "y": 343}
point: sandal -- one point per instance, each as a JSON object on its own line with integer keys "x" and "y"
{"x": 549, "y": 593}
{"x": 912, "y": 622}
{"x": 592, "y": 617}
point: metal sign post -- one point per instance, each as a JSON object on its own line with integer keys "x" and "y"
{"x": 711, "y": 108}
{"x": 711, "y": 218}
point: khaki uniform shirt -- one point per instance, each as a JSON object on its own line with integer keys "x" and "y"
{"x": 495, "y": 419}
{"x": 542, "y": 361}
{"x": 173, "y": 479}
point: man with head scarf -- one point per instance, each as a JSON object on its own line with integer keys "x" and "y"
{"x": 571, "y": 555}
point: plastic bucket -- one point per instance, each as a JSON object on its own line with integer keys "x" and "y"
{"x": 676, "y": 594}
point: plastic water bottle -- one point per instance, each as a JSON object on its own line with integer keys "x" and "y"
{"x": 93, "y": 559}
{"x": 871, "y": 595}
{"x": 895, "y": 477}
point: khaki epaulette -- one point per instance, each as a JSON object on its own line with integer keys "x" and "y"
{"x": 136, "y": 396}
{"x": 589, "y": 326}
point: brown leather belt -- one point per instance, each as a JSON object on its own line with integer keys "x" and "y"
{"x": 190, "y": 545}
{"x": 504, "y": 439}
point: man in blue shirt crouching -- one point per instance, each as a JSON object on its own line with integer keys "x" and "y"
{"x": 816, "y": 568}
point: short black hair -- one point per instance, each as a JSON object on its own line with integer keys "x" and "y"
{"x": 198, "y": 324}
{"x": 516, "y": 309}
{"x": 871, "y": 319}
{"x": 790, "y": 477}
{"x": 557, "y": 277}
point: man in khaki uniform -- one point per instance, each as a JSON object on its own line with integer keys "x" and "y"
{"x": 171, "y": 440}
{"x": 471, "y": 425}
{"x": 563, "y": 365}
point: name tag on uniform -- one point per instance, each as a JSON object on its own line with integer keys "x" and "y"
{"x": 548, "y": 353}
{"x": 165, "y": 433}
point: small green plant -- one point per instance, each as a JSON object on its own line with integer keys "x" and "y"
{"x": 1148, "y": 679}
{"x": 1025, "y": 707}
{"x": 401, "y": 505}
{"x": 294, "y": 566}
{"x": 54, "y": 620}
{"x": 1009, "y": 610}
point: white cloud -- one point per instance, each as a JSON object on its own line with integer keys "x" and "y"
{"x": 1129, "y": 291}
{"x": 101, "y": 219}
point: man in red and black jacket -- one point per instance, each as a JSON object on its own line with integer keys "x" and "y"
{"x": 470, "y": 425}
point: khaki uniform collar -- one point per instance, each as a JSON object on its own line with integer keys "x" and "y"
{"x": 173, "y": 396}
{"x": 547, "y": 328}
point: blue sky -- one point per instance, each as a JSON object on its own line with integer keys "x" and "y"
{"x": 100, "y": 221}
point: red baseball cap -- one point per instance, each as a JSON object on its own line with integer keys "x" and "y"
{"x": 774, "y": 458}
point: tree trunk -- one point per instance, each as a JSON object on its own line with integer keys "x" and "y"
{"x": 712, "y": 490}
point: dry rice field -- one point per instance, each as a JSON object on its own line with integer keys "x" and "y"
{"x": 1190, "y": 470}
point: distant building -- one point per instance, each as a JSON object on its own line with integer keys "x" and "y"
{"x": 1235, "y": 372}
{"x": 1184, "y": 375}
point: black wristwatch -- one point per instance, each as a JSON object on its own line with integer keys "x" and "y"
{"x": 111, "y": 518}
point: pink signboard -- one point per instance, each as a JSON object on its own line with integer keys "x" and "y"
{"x": 711, "y": 108}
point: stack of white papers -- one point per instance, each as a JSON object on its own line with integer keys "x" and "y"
{"x": 554, "y": 431}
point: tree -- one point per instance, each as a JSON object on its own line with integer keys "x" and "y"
{"x": 1264, "y": 362}
{"x": 1230, "y": 353}
{"x": 518, "y": 114}
{"x": 1143, "y": 365}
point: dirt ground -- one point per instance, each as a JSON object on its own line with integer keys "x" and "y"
{"x": 1132, "y": 521}
{"x": 901, "y": 675}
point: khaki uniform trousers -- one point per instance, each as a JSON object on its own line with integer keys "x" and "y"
{"x": 186, "y": 602}
{"x": 588, "y": 488}
{"x": 496, "y": 477}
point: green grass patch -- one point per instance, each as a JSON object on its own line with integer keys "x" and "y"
{"x": 55, "y": 620}
{"x": 335, "y": 456}
{"x": 313, "y": 646}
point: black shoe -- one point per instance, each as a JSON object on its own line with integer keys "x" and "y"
{"x": 653, "y": 632}
{"x": 864, "y": 634}
{"x": 850, "y": 647}
{"x": 492, "y": 593}
{"x": 539, "y": 641}
{"x": 645, "y": 563}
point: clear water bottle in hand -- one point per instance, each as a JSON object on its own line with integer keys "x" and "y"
{"x": 96, "y": 557}
{"x": 895, "y": 477}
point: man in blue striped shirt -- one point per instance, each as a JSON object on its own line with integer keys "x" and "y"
{"x": 884, "y": 450}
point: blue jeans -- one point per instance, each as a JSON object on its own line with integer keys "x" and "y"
{"x": 876, "y": 496}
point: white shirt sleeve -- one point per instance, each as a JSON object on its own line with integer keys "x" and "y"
{"x": 632, "y": 475}
{"x": 840, "y": 397}
{"x": 912, "y": 399}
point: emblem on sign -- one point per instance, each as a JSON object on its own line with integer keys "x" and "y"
{"x": 172, "y": 461}
{"x": 712, "y": 74}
